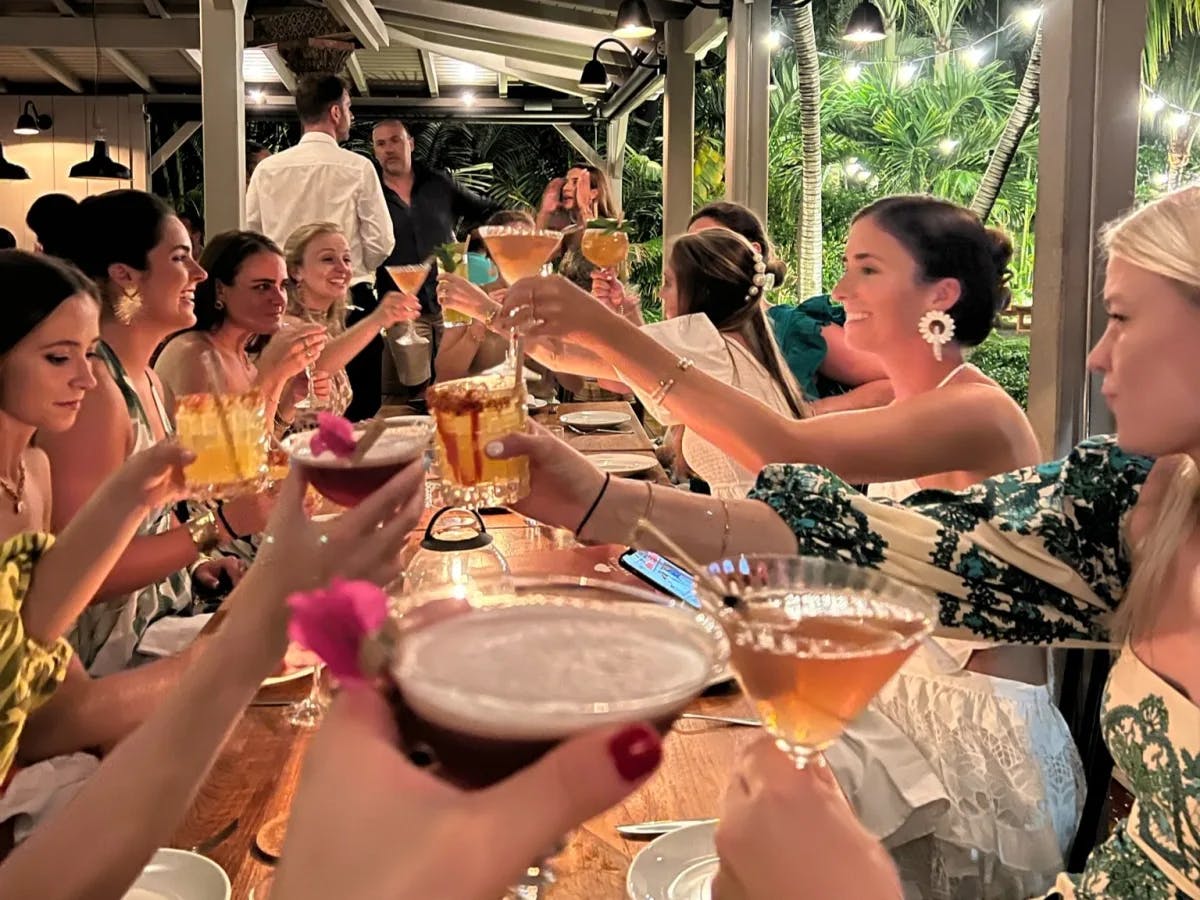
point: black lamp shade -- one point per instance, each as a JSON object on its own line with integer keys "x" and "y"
{"x": 594, "y": 75}
{"x": 633, "y": 21}
{"x": 30, "y": 122}
{"x": 11, "y": 171}
{"x": 101, "y": 165}
{"x": 866, "y": 24}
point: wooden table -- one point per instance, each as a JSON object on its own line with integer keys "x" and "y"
{"x": 256, "y": 774}
{"x": 633, "y": 439}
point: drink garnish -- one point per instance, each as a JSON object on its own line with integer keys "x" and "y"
{"x": 335, "y": 435}
{"x": 336, "y": 622}
{"x": 449, "y": 256}
{"x": 611, "y": 226}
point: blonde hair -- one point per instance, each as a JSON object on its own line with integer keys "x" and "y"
{"x": 293, "y": 254}
{"x": 1160, "y": 238}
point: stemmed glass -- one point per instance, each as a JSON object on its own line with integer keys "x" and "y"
{"x": 813, "y": 640}
{"x": 519, "y": 252}
{"x": 310, "y": 401}
{"x": 409, "y": 279}
{"x": 605, "y": 245}
{"x": 490, "y": 690}
{"x": 307, "y": 713}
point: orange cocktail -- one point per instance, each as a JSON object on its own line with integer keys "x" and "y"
{"x": 228, "y": 434}
{"x": 813, "y": 641}
{"x": 603, "y": 247}
{"x": 468, "y": 414}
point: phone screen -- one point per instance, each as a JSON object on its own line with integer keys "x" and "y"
{"x": 663, "y": 574}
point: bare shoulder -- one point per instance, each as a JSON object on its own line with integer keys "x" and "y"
{"x": 1163, "y": 479}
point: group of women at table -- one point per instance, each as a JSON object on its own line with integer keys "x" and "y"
{"x": 1100, "y": 548}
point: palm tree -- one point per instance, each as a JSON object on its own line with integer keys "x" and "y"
{"x": 799, "y": 17}
{"x": 943, "y": 16}
{"x": 1019, "y": 119}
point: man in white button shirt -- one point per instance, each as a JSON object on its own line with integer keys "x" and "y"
{"x": 318, "y": 181}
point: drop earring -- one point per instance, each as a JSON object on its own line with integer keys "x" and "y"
{"x": 127, "y": 305}
{"x": 937, "y": 328}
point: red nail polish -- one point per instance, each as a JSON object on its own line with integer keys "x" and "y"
{"x": 636, "y": 752}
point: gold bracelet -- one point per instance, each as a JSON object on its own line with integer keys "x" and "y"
{"x": 203, "y": 531}
{"x": 646, "y": 512}
{"x": 660, "y": 393}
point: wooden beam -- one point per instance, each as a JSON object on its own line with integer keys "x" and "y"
{"x": 155, "y": 8}
{"x": 618, "y": 135}
{"x": 492, "y": 63}
{"x": 679, "y": 131}
{"x": 580, "y": 145}
{"x": 362, "y": 19}
{"x": 513, "y": 43}
{"x": 501, "y": 84}
{"x": 430, "y": 70}
{"x": 64, "y": 8}
{"x": 130, "y": 69}
{"x": 530, "y": 19}
{"x": 55, "y": 69}
{"x": 286, "y": 75}
{"x": 355, "y": 70}
{"x": 112, "y": 32}
{"x": 703, "y": 30}
{"x": 169, "y": 148}
{"x": 193, "y": 57}
{"x": 550, "y": 63}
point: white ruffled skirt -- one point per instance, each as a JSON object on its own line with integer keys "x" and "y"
{"x": 972, "y": 781}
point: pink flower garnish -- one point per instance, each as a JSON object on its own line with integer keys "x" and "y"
{"x": 335, "y": 435}
{"x": 333, "y": 622}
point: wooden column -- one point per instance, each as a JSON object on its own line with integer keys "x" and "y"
{"x": 679, "y": 131}
{"x": 223, "y": 109}
{"x": 747, "y": 108}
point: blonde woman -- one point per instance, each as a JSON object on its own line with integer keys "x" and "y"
{"x": 319, "y": 270}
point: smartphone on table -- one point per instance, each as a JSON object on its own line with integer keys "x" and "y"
{"x": 663, "y": 574}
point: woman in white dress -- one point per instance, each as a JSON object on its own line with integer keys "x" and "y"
{"x": 714, "y": 316}
{"x": 964, "y": 766}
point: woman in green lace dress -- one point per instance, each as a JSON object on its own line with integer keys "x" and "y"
{"x": 1101, "y": 549}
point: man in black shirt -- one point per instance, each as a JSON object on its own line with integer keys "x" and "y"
{"x": 425, "y": 205}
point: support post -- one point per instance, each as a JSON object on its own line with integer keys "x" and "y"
{"x": 679, "y": 130}
{"x": 1087, "y": 152}
{"x": 223, "y": 110}
{"x": 747, "y": 106}
{"x": 618, "y": 131}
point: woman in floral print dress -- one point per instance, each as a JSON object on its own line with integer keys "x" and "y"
{"x": 1101, "y": 549}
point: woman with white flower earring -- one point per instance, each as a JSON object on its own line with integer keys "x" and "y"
{"x": 963, "y": 765}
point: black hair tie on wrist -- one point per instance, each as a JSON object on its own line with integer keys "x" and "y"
{"x": 595, "y": 503}
{"x": 224, "y": 521}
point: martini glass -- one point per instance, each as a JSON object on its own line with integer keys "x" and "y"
{"x": 519, "y": 252}
{"x": 535, "y": 661}
{"x": 409, "y": 279}
{"x": 814, "y": 640}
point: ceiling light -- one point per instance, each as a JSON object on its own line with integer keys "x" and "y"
{"x": 633, "y": 21}
{"x": 101, "y": 165}
{"x": 11, "y": 171}
{"x": 866, "y": 24}
{"x": 594, "y": 75}
{"x": 29, "y": 122}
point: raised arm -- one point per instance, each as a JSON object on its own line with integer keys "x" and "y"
{"x": 393, "y": 307}
{"x": 968, "y": 427}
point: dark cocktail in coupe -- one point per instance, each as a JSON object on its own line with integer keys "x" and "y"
{"x": 490, "y": 690}
{"x": 347, "y": 481}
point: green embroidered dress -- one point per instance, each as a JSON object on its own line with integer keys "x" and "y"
{"x": 1036, "y": 556}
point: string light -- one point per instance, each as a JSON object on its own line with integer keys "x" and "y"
{"x": 1161, "y": 180}
{"x": 917, "y": 60}
{"x": 1178, "y": 119}
{"x": 853, "y": 72}
{"x": 948, "y": 145}
{"x": 974, "y": 55}
{"x": 1154, "y": 104}
{"x": 1029, "y": 17}
{"x": 907, "y": 73}
{"x": 774, "y": 39}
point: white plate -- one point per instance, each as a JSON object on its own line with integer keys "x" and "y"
{"x": 290, "y": 675}
{"x": 507, "y": 369}
{"x": 532, "y": 402}
{"x": 180, "y": 875}
{"x": 623, "y": 463}
{"x": 680, "y": 865}
{"x": 595, "y": 418}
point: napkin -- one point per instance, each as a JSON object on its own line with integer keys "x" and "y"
{"x": 894, "y": 791}
{"x": 42, "y": 789}
{"x": 171, "y": 634}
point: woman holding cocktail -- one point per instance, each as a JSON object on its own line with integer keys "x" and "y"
{"x": 920, "y": 272}
{"x": 147, "y": 280}
{"x": 238, "y": 335}
{"x": 318, "y": 264}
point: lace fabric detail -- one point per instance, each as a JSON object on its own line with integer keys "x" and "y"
{"x": 1012, "y": 775}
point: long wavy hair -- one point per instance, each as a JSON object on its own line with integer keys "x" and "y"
{"x": 293, "y": 254}
{"x": 713, "y": 270}
{"x": 1160, "y": 238}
